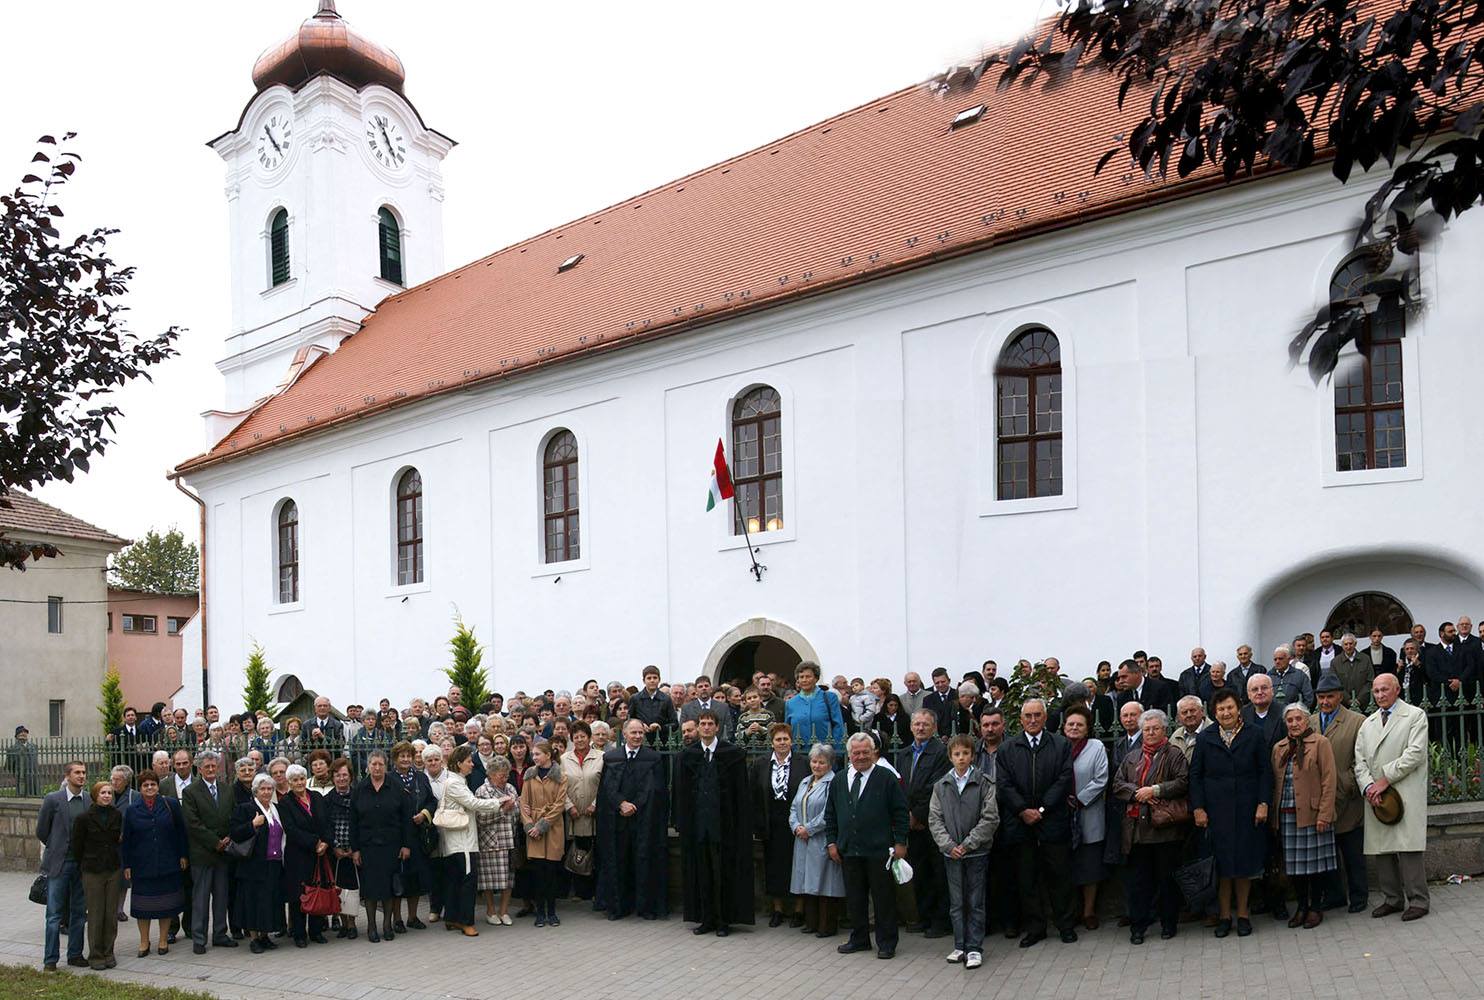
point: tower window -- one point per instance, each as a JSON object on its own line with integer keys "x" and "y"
{"x": 389, "y": 236}
{"x": 278, "y": 248}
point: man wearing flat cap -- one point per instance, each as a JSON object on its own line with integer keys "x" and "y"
{"x": 1341, "y": 726}
{"x": 1391, "y": 768}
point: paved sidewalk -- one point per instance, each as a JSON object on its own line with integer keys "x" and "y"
{"x": 1344, "y": 958}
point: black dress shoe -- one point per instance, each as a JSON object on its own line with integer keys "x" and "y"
{"x": 414, "y": 925}
{"x": 170, "y": 939}
{"x": 1034, "y": 937}
{"x": 1166, "y": 933}
{"x": 1223, "y": 927}
{"x": 702, "y": 929}
{"x": 936, "y": 932}
{"x": 318, "y": 938}
{"x": 1244, "y": 927}
{"x": 722, "y": 931}
{"x": 1358, "y": 907}
{"x": 1068, "y": 936}
{"x": 776, "y": 920}
{"x": 199, "y": 949}
{"x": 342, "y": 933}
{"x": 401, "y": 928}
{"x": 224, "y": 943}
{"x": 850, "y": 947}
{"x": 371, "y": 934}
{"x": 796, "y": 921}
{"x": 301, "y": 942}
{"x": 886, "y": 953}
{"x": 256, "y": 947}
{"x": 268, "y": 943}
{"x": 1135, "y": 937}
{"x": 350, "y": 932}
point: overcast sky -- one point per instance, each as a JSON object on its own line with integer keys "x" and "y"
{"x": 559, "y": 109}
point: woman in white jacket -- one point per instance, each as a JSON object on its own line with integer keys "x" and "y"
{"x": 458, "y": 841}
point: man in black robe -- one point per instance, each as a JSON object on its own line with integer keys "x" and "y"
{"x": 713, "y": 813}
{"x": 632, "y": 829}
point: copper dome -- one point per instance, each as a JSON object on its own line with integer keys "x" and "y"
{"x": 326, "y": 44}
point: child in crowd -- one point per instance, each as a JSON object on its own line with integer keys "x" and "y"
{"x": 962, "y": 818}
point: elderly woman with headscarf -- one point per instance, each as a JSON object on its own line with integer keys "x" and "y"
{"x": 459, "y": 842}
{"x": 1152, "y": 784}
{"x": 1304, "y": 786}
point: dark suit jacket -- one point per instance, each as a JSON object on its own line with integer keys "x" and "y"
{"x": 918, "y": 781}
{"x": 333, "y": 729}
{"x": 1272, "y": 727}
{"x": 1388, "y": 658}
{"x": 872, "y": 826}
{"x": 1039, "y": 779}
{"x": 941, "y": 705}
{"x": 1413, "y": 682}
{"x": 1157, "y": 693}
{"x": 1200, "y": 687}
{"x": 207, "y": 822}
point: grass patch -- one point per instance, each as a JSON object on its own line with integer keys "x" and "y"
{"x": 21, "y": 982}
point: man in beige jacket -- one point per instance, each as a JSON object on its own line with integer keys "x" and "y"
{"x": 1391, "y": 753}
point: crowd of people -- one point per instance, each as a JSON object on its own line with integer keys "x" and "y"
{"x": 1015, "y": 801}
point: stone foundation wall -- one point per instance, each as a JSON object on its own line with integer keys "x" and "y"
{"x": 19, "y": 848}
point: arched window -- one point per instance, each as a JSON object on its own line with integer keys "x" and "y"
{"x": 278, "y": 248}
{"x": 559, "y": 471}
{"x": 1370, "y": 419}
{"x": 409, "y": 528}
{"x": 288, "y": 552}
{"x": 1359, "y": 613}
{"x": 389, "y": 238}
{"x": 1028, "y": 408}
{"x": 757, "y": 461}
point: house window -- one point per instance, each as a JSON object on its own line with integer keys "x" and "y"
{"x": 288, "y": 552}
{"x": 278, "y": 248}
{"x": 409, "y": 528}
{"x": 1359, "y": 613}
{"x": 1029, "y": 412}
{"x": 1370, "y": 417}
{"x": 389, "y": 239}
{"x": 173, "y": 625}
{"x": 56, "y": 717}
{"x": 757, "y": 461}
{"x": 140, "y": 623}
{"x": 561, "y": 532}
{"x": 54, "y": 615}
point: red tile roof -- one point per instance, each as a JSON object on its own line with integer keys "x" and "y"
{"x": 26, "y": 516}
{"x": 876, "y": 190}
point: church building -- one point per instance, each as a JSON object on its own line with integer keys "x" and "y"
{"x": 976, "y": 402}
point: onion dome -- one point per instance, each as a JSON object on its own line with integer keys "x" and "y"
{"x": 325, "y": 43}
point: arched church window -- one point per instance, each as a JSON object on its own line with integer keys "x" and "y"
{"x": 561, "y": 530}
{"x": 389, "y": 239}
{"x": 1370, "y": 416}
{"x": 757, "y": 461}
{"x": 288, "y": 552}
{"x": 278, "y": 248}
{"x": 1359, "y": 613}
{"x": 1028, "y": 407}
{"x": 409, "y": 528}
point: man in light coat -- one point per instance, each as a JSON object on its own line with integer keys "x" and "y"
{"x": 1391, "y": 752}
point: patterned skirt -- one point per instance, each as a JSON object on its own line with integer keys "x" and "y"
{"x": 493, "y": 869}
{"x": 1306, "y": 851}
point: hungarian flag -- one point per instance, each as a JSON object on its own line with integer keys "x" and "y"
{"x": 721, "y": 479}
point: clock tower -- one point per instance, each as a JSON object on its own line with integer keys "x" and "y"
{"x": 336, "y": 201}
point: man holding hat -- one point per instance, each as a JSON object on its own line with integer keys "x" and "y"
{"x": 1341, "y": 726}
{"x": 1391, "y": 771}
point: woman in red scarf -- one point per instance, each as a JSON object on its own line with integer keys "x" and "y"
{"x": 1153, "y": 784}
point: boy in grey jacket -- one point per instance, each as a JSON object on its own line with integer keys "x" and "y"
{"x": 962, "y": 818}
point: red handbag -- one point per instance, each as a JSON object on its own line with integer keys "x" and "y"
{"x": 321, "y": 897}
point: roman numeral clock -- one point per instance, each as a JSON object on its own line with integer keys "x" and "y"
{"x": 386, "y": 142}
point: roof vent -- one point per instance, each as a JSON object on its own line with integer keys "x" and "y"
{"x": 570, "y": 262}
{"x": 968, "y": 116}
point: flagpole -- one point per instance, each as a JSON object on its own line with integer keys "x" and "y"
{"x": 757, "y": 571}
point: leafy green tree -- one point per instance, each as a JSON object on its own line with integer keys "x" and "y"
{"x": 159, "y": 564}
{"x": 1238, "y": 86}
{"x": 111, "y": 707}
{"x": 465, "y": 671}
{"x": 256, "y": 695}
{"x": 64, "y": 342}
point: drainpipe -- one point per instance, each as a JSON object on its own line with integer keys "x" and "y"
{"x": 201, "y": 584}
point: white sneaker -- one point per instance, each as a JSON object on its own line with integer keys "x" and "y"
{"x": 974, "y": 960}
{"x": 505, "y": 920}
{"x": 955, "y": 956}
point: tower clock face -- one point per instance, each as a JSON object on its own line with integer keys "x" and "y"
{"x": 386, "y": 142}
{"x": 274, "y": 140}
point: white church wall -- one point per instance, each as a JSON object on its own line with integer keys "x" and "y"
{"x": 1198, "y": 461}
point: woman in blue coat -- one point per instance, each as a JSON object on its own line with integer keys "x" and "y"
{"x": 814, "y": 713}
{"x": 1231, "y": 786}
{"x": 154, "y": 853}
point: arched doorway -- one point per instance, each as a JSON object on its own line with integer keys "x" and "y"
{"x": 757, "y": 644}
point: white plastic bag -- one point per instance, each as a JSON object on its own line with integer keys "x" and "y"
{"x": 900, "y": 870}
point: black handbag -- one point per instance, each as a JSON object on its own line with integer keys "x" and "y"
{"x": 39, "y": 889}
{"x": 1197, "y": 882}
